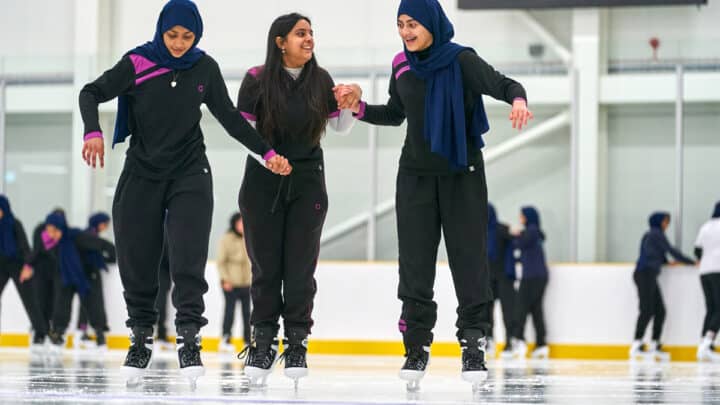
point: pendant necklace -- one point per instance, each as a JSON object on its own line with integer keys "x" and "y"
{"x": 173, "y": 83}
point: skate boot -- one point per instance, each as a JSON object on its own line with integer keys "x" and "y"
{"x": 57, "y": 343}
{"x": 490, "y": 349}
{"x": 226, "y": 344}
{"x": 541, "y": 352}
{"x": 188, "y": 348}
{"x": 139, "y": 356}
{"x": 507, "y": 353}
{"x": 473, "y": 344}
{"x": 705, "y": 352}
{"x": 260, "y": 356}
{"x": 417, "y": 359}
{"x": 295, "y": 354}
{"x": 519, "y": 349}
{"x": 37, "y": 346}
{"x": 100, "y": 342}
{"x": 657, "y": 353}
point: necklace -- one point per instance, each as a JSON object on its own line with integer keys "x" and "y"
{"x": 173, "y": 83}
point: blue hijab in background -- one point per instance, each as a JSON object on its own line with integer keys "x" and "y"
{"x": 96, "y": 259}
{"x": 71, "y": 269}
{"x": 8, "y": 244}
{"x": 716, "y": 213}
{"x": 444, "y": 104}
{"x": 657, "y": 218}
{"x": 531, "y": 215}
{"x": 176, "y": 12}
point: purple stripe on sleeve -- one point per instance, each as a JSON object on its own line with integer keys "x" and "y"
{"x": 360, "y": 114}
{"x": 156, "y": 73}
{"x": 401, "y": 71}
{"x": 141, "y": 63}
{"x": 248, "y": 116}
{"x": 334, "y": 114}
{"x": 399, "y": 58}
{"x": 269, "y": 155}
{"x": 92, "y": 135}
{"x": 255, "y": 71}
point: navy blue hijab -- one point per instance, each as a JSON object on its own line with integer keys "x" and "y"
{"x": 716, "y": 212}
{"x": 532, "y": 216}
{"x": 8, "y": 244}
{"x": 95, "y": 258}
{"x": 71, "y": 270}
{"x": 492, "y": 245}
{"x": 444, "y": 104}
{"x": 176, "y": 12}
{"x": 657, "y": 218}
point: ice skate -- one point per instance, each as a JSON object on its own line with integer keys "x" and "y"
{"x": 139, "y": 356}
{"x": 226, "y": 345}
{"x": 417, "y": 359}
{"x": 638, "y": 352}
{"x": 188, "y": 343}
{"x": 507, "y": 353}
{"x": 295, "y": 354}
{"x": 518, "y": 351}
{"x": 490, "y": 349}
{"x": 656, "y": 353}
{"x": 37, "y": 346}
{"x": 705, "y": 353}
{"x": 82, "y": 341}
{"x": 541, "y": 353}
{"x": 260, "y": 356}
{"x": 473, "y": 344}
{"x": 57, "y": 344}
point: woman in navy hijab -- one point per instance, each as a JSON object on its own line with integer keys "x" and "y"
{"x": 654, "y": 249}
{"x": 160, "y": 87}
{"x": 437, "y": 85}
{"x": 15, "y": 255}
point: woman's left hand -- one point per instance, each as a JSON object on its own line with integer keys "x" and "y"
{"x": 347, "y": 96}
{"x": 520, "y": 115}
{"x": 26, "y": 274}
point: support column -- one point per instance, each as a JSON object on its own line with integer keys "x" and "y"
{"x": 586, "y": 58}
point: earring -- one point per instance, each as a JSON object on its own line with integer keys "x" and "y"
{"x": 283, "y": 51}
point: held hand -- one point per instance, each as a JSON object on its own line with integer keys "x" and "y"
{"x": 348, "y": 96}
{"x": 520, "y": 115}
{"x": 26, "y": 274}
{"x": 279, "y": 165}
{"x": 94, "y": 149}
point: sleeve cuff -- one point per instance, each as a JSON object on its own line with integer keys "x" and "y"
{"x": 360, "y": 114}
{"x": 520, "y": 98}
{"x": 92, "y": 135}
{"x": 269, "y": 155}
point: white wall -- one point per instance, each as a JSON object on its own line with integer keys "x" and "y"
{"x": 590, "y": 304}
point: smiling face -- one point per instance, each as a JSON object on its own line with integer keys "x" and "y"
{"x": 415, "y": 37}
{"x": 53, "y": 232}
{"x": 298, "y": 45}
{"x": 178, "y": 40}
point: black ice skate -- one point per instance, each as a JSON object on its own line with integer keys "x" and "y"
{"x": 417, "y": 359}
{"x": 139, "y": 356}
{"x": 295, "y": 354}
{"x": 188, "y": 348}
{"x": 260, "y": 356}
{"x": 474, "y": 371}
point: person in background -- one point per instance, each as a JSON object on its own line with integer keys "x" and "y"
{"x": 15, "y": 257}
{"x": 654, "y": 248}
{"x": 532, "y": 285}
{"x": 234, "y": 269}
{"x": 94, "y": 263}
{"x": 502, "y": 274}
{"x": 707, "y": 251}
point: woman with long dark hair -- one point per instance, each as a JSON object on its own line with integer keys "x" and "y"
{"x": 161, "y": 86}
{"x": 438, "y": 86}
{"x": 654, "y": 249}
{"x": 291, "y": 101}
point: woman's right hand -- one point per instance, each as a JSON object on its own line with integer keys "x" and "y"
{"x": 227, "y": 286}
{"x": 94, "y": 150}
{"x": 279, "y": 165}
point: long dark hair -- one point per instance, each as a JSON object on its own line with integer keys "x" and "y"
{"x": 274, "y": 85}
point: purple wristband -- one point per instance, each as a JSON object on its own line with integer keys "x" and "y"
{"x": 360, "y": 114}
{"x": 91, "y": 135}
{"x": 269, "y": 155}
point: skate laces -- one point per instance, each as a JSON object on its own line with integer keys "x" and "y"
{"x": 473, "y": 354}
{"x": 138, "y": 354}
{"x": 416, "y": 358}
{"x": 190, "y": 351}
{"x": 257, "y": 355}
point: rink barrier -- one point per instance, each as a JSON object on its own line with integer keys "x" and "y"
{"x": 389, "y": 348}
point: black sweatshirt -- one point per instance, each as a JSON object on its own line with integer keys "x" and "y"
{"x": 23, "y": 248}
{"x": 87, "y": 242}
{"x": 407, "y": 100}
{"x": 291, "y": 138}
{"x": 167, "y": 141}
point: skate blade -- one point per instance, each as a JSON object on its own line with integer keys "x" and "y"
{"x": 411, "y": 375}
{"x": 475, "y": 377}
{"x": 192, "y": 372}
{"x": 296, "y": 372}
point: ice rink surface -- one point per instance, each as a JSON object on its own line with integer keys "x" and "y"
{"x": 91, "y": 377}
